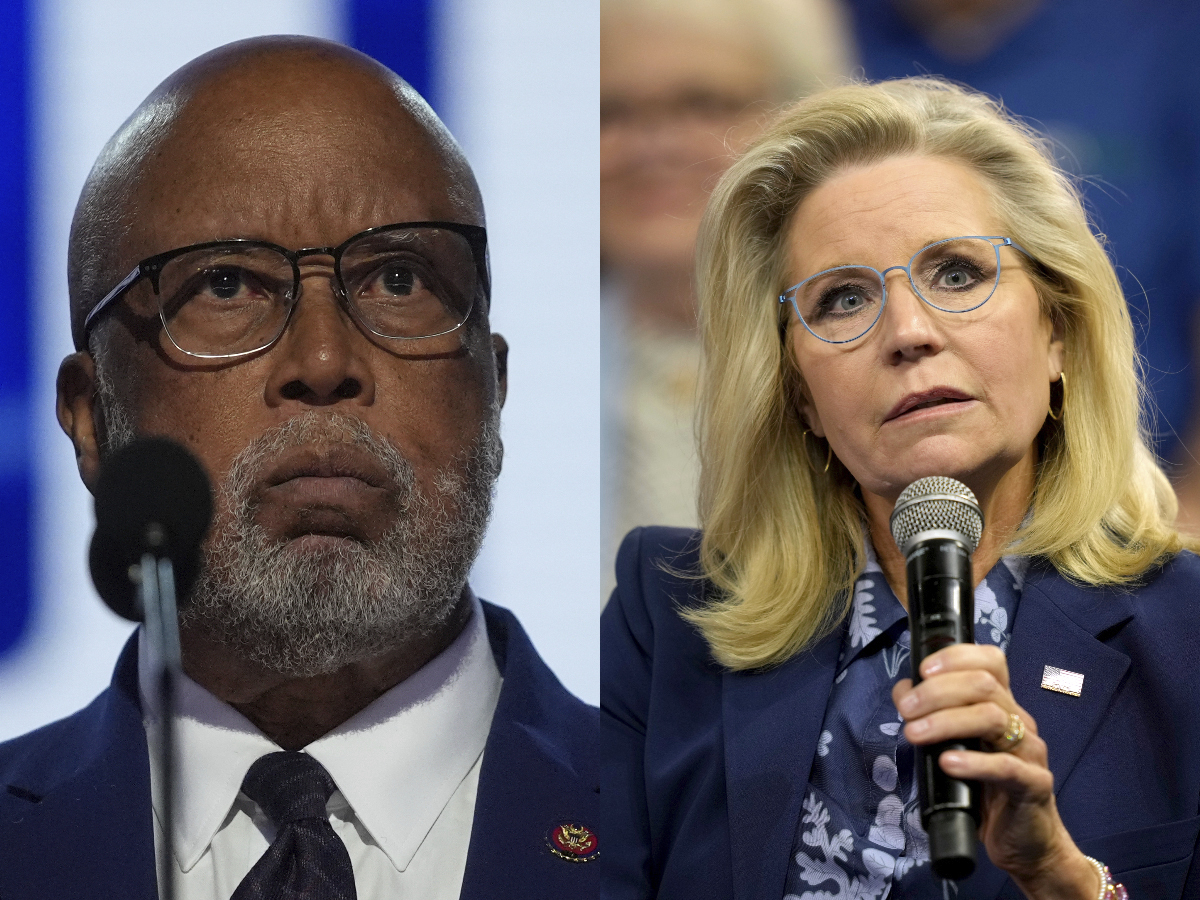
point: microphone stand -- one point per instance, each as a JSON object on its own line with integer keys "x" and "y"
{"x": 156, "y": 592}
{"x": 153, "y": 508}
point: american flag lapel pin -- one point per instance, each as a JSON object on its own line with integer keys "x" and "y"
{"x": 1062, "y": 681}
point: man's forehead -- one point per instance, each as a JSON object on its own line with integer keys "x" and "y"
{"x": 277, "y": 127}
{"x": 253, "y": 154}
{"x": 305, "y": 180}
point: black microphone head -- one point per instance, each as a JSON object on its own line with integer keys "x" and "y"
{"x": 934, "y": 504}
{"x": 152, "y": 496}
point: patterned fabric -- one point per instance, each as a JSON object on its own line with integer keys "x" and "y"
{"x": 306, "y": 861}
{"x": 859, "y": 835}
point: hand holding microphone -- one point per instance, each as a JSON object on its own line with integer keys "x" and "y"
{"x": 937, "y": 525}
{"x": 960, "y": 703}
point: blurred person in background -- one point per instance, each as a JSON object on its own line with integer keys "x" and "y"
{"x": 1114, "y": 84}
{"x": 685, "y": 85}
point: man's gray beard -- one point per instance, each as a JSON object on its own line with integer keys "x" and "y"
{"x": 303, "y": 613}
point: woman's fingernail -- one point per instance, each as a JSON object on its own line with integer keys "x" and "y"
{"x": 951, "y": 758}
{"x": 918, "y": 727}
{"x": 908, "y": 704}
{"x": 931, "y": 668}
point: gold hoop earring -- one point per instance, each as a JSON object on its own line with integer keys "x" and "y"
{"x": 804, "y": 433}
{"x": 1062, "y": 380}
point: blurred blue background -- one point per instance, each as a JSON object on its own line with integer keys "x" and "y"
{"x": 517, "y": 83}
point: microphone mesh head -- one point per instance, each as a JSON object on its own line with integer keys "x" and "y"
{"x": 937, "y": 503}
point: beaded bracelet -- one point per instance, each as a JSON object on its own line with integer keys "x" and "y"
{"x": 1108, "y": 890}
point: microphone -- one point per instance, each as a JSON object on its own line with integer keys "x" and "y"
{"x": 152, "y": 497}
{"x": 937, "y": 525}
{"x": 153, "y": 508}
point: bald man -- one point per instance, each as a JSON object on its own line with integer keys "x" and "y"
{"x": 279, "y": 261}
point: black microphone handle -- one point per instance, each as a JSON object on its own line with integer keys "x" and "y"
{"x": 941, "y": 603}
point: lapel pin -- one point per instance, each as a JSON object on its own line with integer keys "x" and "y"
{"x": 574, "y": 843}
{"x": 1062, "y": 681}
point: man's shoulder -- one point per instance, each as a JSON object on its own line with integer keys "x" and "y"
{"x": 538, "y": 798}
{"x": 531, "y": 691}
{"x": 75, "y": 804}
{"x": 50, "y": 753}
{"x": 41, "y": 760}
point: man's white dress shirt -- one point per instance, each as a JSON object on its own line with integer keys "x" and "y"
{"x": 406, "y": 770}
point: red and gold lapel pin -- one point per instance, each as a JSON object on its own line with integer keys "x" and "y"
{"x": 572, "y": 842}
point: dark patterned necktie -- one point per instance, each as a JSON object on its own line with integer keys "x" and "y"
{"x": 306, "y": 861}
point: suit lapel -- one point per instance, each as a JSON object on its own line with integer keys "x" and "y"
{"x": 772, "y": 720}
{"x": 1057, "y": 625}
{"x": 539, "y": 773}
{"x": 95, "y": 821}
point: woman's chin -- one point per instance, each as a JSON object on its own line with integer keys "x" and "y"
{"x": 952, "y": 462}
{"x": 984, "y": 473}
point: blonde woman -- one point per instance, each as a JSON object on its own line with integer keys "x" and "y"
{"x": 896, "y": 282}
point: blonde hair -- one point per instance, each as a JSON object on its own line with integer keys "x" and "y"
{"x": 783, "y": 539}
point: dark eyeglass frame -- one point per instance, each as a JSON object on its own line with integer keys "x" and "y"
{"x": 790, "y": 293}
{"x": 152, "y": 266}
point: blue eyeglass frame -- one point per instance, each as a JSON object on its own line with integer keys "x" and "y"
{"x": 151, "y": 267}
{"x": 790, "y": 293}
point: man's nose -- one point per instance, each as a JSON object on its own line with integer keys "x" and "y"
{"x": 322, "y": 356}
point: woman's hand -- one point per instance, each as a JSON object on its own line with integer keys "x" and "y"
{"x": 965, "y": 693}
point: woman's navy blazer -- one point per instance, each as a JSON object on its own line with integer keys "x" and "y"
{"x": 706, "y": 768}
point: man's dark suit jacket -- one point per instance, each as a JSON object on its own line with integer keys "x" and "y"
{"x": 75, "y": 812}
{"x": 705, "y": 769}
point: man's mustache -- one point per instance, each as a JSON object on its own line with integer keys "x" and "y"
{"x": 320, "y": 442}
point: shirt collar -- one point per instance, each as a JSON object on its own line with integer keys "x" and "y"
{"x": 876, "y": 614}
{"x": 874, "y": 611}
{"x": 396, "y": 763}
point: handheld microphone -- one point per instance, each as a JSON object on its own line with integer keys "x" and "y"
{"x": 937, "y": 525}
{"x": 153, "y": 507}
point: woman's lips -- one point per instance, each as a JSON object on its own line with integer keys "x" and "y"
{"x": 923, "y": 400}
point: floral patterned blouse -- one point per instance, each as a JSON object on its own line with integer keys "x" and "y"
{"x": 859, "y": 836}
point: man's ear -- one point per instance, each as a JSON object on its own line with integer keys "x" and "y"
{"x": 500, "y": 349}
{"x": 78, "y": 413}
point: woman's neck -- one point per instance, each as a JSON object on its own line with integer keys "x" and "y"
{"x": 1003, "y": 507}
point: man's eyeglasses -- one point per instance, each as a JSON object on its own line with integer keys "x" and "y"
{"x": 225, "y": 299}
{"x": 955, "y": 275}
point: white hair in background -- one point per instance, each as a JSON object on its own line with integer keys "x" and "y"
{"x": 807, "y": 41}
